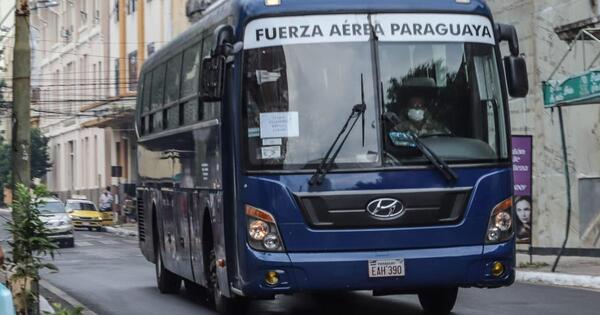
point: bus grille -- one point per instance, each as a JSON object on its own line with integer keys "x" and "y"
{"x": 349, "y": 210}
{"x": 141, "y": 221}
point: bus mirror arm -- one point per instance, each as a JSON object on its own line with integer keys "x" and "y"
{"x": 506, "y": 32}
{"x": 223, "y": 43}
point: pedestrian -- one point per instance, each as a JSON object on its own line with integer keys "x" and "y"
{"x": 106, "y": 200}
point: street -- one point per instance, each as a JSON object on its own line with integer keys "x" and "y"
{"x": 108, "y": 274}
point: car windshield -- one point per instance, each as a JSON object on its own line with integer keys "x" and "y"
{"x": 52, "y": 207}
{"x": 81, "y": 206}
{"x": 298, "y": 95}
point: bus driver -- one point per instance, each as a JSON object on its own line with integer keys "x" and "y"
{"x": 418, "y": 116}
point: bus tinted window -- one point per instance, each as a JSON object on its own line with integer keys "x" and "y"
{"x": 191, "y": 63}
{"x": 190, "y": 112}
{"x": 146, "y": 93}
{"x": 158, "y": 79}
{"x": 157, "y": 122}
{"x": 172, "y": 79}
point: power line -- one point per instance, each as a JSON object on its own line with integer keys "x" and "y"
{"x": 94, "y": 42}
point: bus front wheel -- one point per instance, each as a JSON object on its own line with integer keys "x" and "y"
{"x": 438, "y": 301}
{"x": 223, "y": 305}
{"x": 167, "y": 281}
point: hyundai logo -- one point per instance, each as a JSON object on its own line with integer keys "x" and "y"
{"x": 385, "y": 208}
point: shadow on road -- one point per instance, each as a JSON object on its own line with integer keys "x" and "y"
{"x": 349, "y": 303}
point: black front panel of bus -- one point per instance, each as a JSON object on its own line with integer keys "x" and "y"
{"x": 421, "y": 208}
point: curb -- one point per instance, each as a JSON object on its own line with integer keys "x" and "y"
{"x": 45, "y": 307}
{"x": 559, "y": 279}
{"x": 65, "y": 297}
{"x": 120, "y": 231}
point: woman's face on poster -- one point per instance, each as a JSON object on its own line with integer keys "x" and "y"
{"x": 524, "y": 211}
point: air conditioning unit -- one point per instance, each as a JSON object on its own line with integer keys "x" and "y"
{"x": 97, "y": 16}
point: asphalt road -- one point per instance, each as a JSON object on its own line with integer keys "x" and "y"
{"x": 109, "y": 275}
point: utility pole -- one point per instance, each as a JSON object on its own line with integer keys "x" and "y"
{"x": 21, "y": 150}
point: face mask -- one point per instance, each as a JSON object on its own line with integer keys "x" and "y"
{"x": 416, "y": 114}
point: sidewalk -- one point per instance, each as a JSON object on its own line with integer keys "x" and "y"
{"x": 571, "y": 271}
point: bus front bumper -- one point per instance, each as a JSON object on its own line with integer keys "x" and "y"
{"x": 467, "y": 266}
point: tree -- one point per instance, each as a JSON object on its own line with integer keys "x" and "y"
{"x": 40, "y": 159}
{"x": 29, "y": 245}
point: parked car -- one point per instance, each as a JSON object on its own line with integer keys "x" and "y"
{"x": 85, "y": 214}
{"x": 58, "y": 222}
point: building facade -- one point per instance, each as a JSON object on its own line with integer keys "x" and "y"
{"x": 91, "y": 52}
{"x": 6, "y": 43}
{"x": 539, "y": 23}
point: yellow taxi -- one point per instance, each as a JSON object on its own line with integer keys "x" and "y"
{"x": 85, "y": 214}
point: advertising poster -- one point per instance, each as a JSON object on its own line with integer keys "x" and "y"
{"x": 522, "y": 147}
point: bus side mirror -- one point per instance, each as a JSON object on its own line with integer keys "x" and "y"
{"x": 506, "y": 32}
{"x": 516, "y": 76}
{"x": 213, "y": 78}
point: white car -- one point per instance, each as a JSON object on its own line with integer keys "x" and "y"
{"x": 57, "y": 221}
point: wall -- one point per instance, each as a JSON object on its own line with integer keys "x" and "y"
{"x": 535, "y": 21}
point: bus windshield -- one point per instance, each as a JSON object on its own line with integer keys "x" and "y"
{"x": 298, "y": 96}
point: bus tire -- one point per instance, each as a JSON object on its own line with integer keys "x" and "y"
{"x": 196, "y": 292}
{"x": 223, "y": 305}
{"x": 438, "y": 301}
{"x": 166, "y": 281}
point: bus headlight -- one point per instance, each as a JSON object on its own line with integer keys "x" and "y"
{"x": 271, "y": 242}
{"x": 258, "y": 230}
{"x": 262, "y": 231}
{"x": 500, "y": 227}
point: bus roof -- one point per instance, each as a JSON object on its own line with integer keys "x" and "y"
{"x": 242, "y": 11}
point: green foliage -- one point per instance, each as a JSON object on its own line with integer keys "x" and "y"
{"x": 29, "y": 245}
{"x": 40, "y": 159}
{"x": 60, "y": 310}
{"x": 5, "y": 169}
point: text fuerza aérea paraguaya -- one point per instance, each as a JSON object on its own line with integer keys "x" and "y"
{"x": 355, "y": 29}
{"x": 400, "y": 27}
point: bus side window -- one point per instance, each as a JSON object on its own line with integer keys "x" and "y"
{"x": 146, "y": 88}
{"x": 188, "y": 111}
{"x": 208, "y": 110}
{"x": 172, "y": 81}
{"x": 157, "y": 97}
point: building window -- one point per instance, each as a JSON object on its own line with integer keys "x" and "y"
{"x": 116, "y": 11}
{"x": 131, "y": 6}
{"x": 71, "y": 160}
{"x": 117, "y": 78}
{"x": 132, "y": 66}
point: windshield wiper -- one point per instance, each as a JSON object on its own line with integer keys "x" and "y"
{"x": 438, "y": 162}
{"x": 358, "y": 111}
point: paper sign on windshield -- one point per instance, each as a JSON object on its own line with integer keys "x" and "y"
{"x": 279, "y": 125}
{"x": 312, "y": 29}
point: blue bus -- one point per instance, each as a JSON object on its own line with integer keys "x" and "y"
{"x": 290, "y": 146}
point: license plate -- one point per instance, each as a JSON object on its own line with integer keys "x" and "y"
{"x": 386, "y": 268}
{"x": 85, "y": 223}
